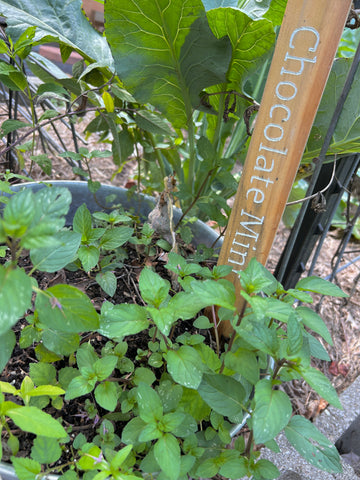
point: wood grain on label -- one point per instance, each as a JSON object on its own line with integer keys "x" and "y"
{"x": 304, "y": 53}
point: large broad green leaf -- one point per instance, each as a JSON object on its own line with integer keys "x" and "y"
{"x": 165, "y": 52}
{"x": 346, "y": 137}
{"x": 312, "y": 444}
{"x": 15, "y": 297}
{"x": 59, "y": 21}
{"x": 272, "y": 411}
{"x": 46, "y": 450}
{"x": 249, "y": 39}
{"x": 271, "y": 9}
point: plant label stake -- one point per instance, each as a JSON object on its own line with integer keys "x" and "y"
{"x": 305, "y": 49}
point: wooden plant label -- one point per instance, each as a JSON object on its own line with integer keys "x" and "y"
{"x": 304, "y": 53}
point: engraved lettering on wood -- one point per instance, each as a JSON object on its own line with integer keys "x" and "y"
{"x": 303, "y": 44}
{"x": 306, "y": 46}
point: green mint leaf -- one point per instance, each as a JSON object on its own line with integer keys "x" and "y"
{"x": 89, "y": 257}
{"x": 213, "y": 292}
{"x": 67, "y": 309}
{"x": 106, "y": 395}
{"x": 108, "y": 282}
{"x": 122, "y": 320}
{"x": 172, "y": 420}
{"x": 8, "y": 342}
{"x": 294, "y": 334}
{"x": 167, "y": 454}
{"x": 256, "y": 278}
{"x": 86, "y": 357}
{"x": 150, "y": 432}
{"x": 46, "y": 450}
{"x": 259, "y": 336}
{"x": 313, "y": 445}
{"x": 103, "y": 367}
{"x": 33, "y": 420}
{"x": 25, "y": 468}
{"x": 61, "y": 343}
{"x": 265, "y": 469}
{"x": 185, "y": 366}
{"x": 154, "y": 289}
{"x": 186, "y": 305}
{"x": 313, "y": 321}
{"x": 244, "y": 362}
{"x": 319, "y": 285}
{"x": 234, "y": 468}
{"x": 15, "y": 297}
{"x": 223, "y": 394}
{"x": 163, "y": 318}
{"x": 321, "y": 385}
{"x": 42, "y": 373}
{"x": 120, "y": 457}
{"x": 316, "y": 348}
{"x": 149, "y": 402}
{"x": 79, "y": 386}
{"x": 82, "y": 221}
{"x": 143, "y": 375}
{"x": 56, "y": 257}
{"x": 272, "y": 411}
{"x": 116, "y": 237}
{"x": 50, "y": 390}
{"x": 52, "y": 204}
{"x": 18, "y": 214}
{"x": 132, "y": 430}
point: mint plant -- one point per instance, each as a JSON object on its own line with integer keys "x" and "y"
{"x": 168, "y": 407}
{"x": 98, "y": 241}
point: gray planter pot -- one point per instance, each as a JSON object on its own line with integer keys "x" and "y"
{"x": 142, "y": 205}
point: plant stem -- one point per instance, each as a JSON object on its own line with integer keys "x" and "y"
{"x": 249, "y": 444}
{"x": 190, "y": 173}
{"x": 219, "y": 120}
{"x": 194, "y": 200}
{"x": 150, "y": 137}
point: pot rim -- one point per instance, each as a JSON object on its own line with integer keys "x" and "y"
{"x": 203, "y": 233}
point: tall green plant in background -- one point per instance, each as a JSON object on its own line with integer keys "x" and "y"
{"x": 169, "y": 84}
{"x": 190, "y": 62}
{"x": 184, "y": 57}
